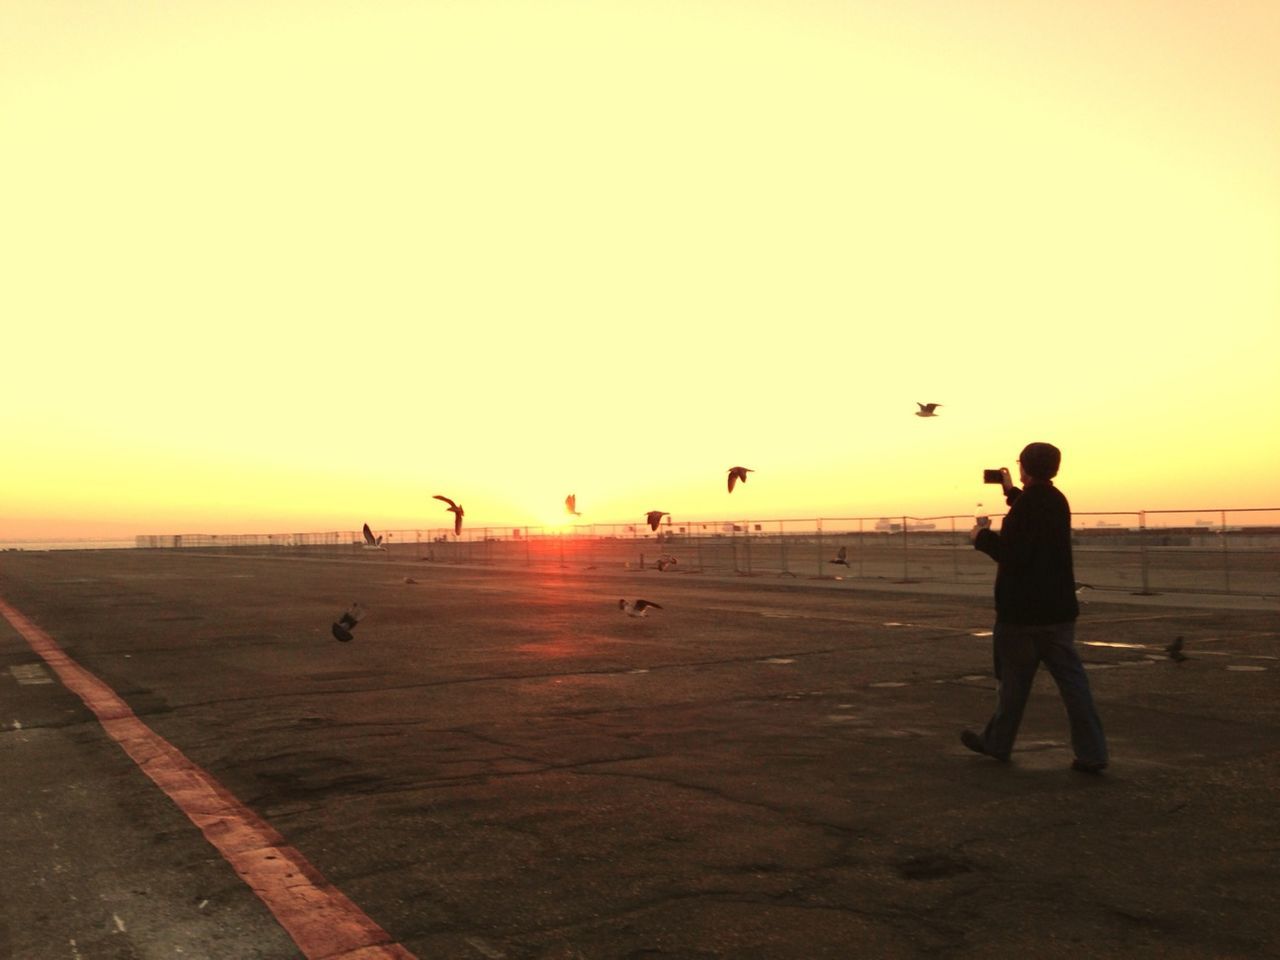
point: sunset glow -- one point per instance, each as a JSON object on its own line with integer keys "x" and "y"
{"x": 278, "y": 266}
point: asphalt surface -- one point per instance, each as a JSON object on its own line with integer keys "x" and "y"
{"x": 502, "y": 765}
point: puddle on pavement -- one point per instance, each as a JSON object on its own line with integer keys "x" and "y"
{"x": 639, "y": 670}
{"x": 888, "y": 683}
{"x": 778, "y": 660}
{"x": 1245, "y": 668}
{"x": 980, "y": 633}
{"x": 1114, "y": 643}
{"x": 842, "y": 717}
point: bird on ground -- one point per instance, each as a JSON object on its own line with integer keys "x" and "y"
{"x": 842, "y": 557}
{"x": 571, "y": 504}
{"x": 736, "y": 474}
{"x": 1081, "y": 587}
{"x": 655, "y": 517}
{"x": 927, "y": 409}
{"x": 456, "y": 510}
{"x": 343, "y": 626}
{"x": 371, "y": 542}
{"x": 638, "y": 609}
{"x": 1174, "y": 650}
{"x": 665, "y": 561}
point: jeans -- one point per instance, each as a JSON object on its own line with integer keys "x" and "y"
{"x": 1017, "y": 651}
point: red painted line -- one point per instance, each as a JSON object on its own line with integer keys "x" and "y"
{"x": 317, "y": 915}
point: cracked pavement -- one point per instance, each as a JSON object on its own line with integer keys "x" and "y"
{"x": 502, "y": 765}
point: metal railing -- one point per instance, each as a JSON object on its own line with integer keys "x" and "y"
{"x": 1142, "y": 551}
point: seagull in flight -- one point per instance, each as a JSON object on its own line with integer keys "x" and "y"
{"x": 456, "y": 510}
{"x": 736, "y": 474}
{"x": 666, "y": 560}
{"x": 638, "y": 609}
{"x": 927, "y": 409}
{"x": 842, "y": 557}
{"x": 655, "y": 517}
{"x": 571, "y": 504}
{"x": 371, "y": 542}
{"x": 343, "y": 626}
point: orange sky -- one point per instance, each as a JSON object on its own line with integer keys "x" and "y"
{"x": 274, "y": 266}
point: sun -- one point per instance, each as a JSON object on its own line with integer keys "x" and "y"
{"x": 560, "y": 522}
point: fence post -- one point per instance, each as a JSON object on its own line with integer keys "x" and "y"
{"x": 819, "y": 553}
{"x": 1226, "y": 566}
{"x": 955, "y": 560}
{"x": 1142, "y": 550}
{"x": 746, "y": 543}
{"x": 782, "y": 545}
{"x": 905, "y": 567}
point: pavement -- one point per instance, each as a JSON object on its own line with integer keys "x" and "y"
{"x": 502, "y": 765}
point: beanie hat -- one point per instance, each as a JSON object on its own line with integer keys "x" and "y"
{"x": 1040, "y": 460}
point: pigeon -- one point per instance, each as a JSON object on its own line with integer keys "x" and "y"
{"x": 666, "y": 560}
{"x": 655, "y": 517}
{"x": 456, "y": 509}
{"x": 571, "y": 504}
{"x": 927, "y": 409}
{"x": 638, "y": 609}
{"x": 347, "y": 622}
{"x": 842, "y": 557}
{"x": 736, "y": 474}
{"x": 370, "y": 542}
{"x": 1174, "y": 650}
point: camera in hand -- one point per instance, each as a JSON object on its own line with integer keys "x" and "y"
{"x": 992, "y": 476}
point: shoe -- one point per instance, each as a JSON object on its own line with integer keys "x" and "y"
{"x": 974, "y": 743}
{"x": 1081, "y": 767}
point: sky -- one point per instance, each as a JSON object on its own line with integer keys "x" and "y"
{"x": 268, "y": 265}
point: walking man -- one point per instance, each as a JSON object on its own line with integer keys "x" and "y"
{"x": 1036, "y": 612}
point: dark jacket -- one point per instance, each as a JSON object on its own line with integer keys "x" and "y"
{"x": 1035, "y": 580}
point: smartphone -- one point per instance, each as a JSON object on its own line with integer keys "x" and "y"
{"x": 992, "y": 476}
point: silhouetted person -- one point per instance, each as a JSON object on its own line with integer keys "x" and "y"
{"x": 1036, "y": 612}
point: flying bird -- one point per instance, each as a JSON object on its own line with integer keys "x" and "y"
{"x": 666, "y": 560}
{"x": 370, "y": 542}
{"x": 927, "y": 409}
{"x": 1174, "y": 650}
{"x": 736, "y": 474}
{"x": 842, "y": 557}
{"x": 571, "y": 504}
{"x": 638, "y": 609}
{"x": 655, "y": 517}
{"x": 343, "y": 626}
{"x": 456, "y": 510}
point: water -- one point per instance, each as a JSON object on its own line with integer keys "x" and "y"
{"x": 72, "y": 544}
